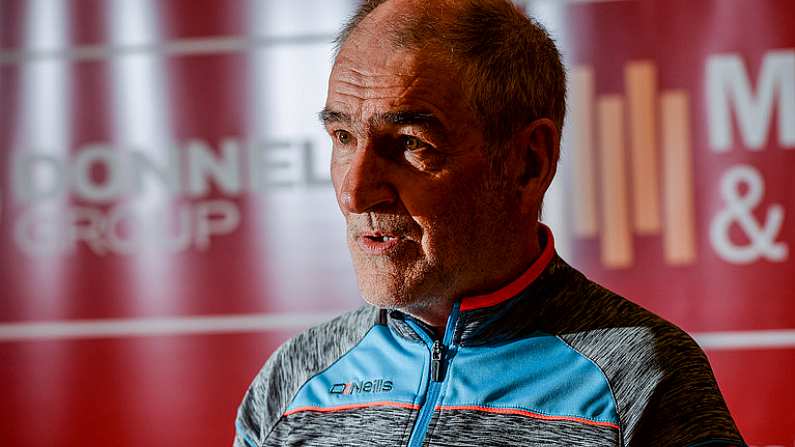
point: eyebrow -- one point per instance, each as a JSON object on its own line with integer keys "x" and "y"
{"x": 328, "y": 116}
{"x": 399, "y": 118}
{"x": 424, "y": 119}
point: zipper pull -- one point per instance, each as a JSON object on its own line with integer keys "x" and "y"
{"x": 436, "y": 361}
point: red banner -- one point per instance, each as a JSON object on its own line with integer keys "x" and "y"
{"x": 681, "y": 145}
{"x": 167, "y": 218}
{"x": 167, "y": 214}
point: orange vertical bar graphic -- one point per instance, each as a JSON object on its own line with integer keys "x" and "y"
{"x": 581, "y": 129}
{"x": 679, "y": 238}
{"x": 616, "y": 232}
{"x": 641, "y": 86}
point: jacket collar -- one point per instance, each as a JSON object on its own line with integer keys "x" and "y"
{"x": 519, "y": 284}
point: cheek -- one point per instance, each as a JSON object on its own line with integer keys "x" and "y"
{"x": 440, "y": 233}
{"x": 462, "y": 218}
{"x": 424, "y": 200}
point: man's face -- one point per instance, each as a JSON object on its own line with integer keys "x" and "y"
{"x": 425, "y": 216}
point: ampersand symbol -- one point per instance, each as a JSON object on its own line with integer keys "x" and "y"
{"x": 739, "y": 209}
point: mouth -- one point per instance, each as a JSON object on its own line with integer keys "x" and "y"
{"x": 380, "y": 237}
{"x": 378, "y": 243}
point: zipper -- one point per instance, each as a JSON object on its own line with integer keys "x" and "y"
{"x": 436, "y": 361}
{"x": 436, "y": 374}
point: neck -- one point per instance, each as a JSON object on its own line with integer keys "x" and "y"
{"x": 434, "y": 315}
{"x": 502, "y": 270}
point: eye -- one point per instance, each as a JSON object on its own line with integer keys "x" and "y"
{"x": 343, "y": 137}
{"x": 412, "y": 143}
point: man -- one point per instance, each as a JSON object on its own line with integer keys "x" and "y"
{"x": 445, "y": 119}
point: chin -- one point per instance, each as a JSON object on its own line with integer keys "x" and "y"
{"x": 383, "y": 291}
{"x": 381, "y": 295}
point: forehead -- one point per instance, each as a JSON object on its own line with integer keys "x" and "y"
{"x": 371, "y": 77}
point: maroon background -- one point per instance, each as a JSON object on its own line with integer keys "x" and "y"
{"x": 710, "y": 295}
{"x": 164, "y": 390}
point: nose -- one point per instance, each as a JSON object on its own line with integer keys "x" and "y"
{"x": 364, "y": 186}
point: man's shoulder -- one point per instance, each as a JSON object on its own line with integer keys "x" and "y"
{"x": 315, "y": 348}
{"x": 293, "y": 363}
{"x": 595, "y": 318}
{"x": 654, "y": 368}
{"x": 337, "y": 332}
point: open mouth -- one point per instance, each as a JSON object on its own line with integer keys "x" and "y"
{"x": 381, "y": 238}
{"x": 378, "y": 243}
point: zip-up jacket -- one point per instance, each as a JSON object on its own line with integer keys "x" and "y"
{"x": 551, "y": 359}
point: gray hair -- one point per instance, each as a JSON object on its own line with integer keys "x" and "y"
{"x": 511, "y": 69}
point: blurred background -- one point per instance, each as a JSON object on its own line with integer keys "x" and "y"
{"x": 167, "y": 217}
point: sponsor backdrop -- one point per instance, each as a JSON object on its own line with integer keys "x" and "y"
{"x": 167, "y": 218}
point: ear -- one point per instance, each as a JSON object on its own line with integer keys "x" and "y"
{"x": 537, "y": 147}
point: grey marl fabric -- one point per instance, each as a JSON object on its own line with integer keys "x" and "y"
{"x": 291, "y": 365}
{"x": 662, "y": 385}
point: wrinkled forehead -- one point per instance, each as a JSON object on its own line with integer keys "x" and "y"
{"x": 369, "y": 79}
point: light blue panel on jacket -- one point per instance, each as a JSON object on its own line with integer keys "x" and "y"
{"x": 540, "y": 374}
{"x": 382, "y": 367}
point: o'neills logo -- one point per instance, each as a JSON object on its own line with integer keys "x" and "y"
{"x": 362, "y": 386}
